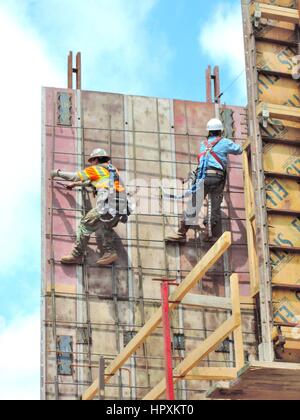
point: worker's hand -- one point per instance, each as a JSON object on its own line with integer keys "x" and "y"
{"x": 55, "y": 173}
{"x": 71, "y": 186}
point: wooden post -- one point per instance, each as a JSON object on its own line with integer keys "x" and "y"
{"x": 208, "y": 84}
{"x": 217, "y": 86}
{"x": 78, "y": 71}
{"x": 238, "y": 332}
{"x": 250, "y": 213}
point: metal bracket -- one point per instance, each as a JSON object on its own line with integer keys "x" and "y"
{"x": 257, "y": 15}
{"x": 224, "y": 347}
{"x": 265, "y": 116}
{"x": 64, "y": 346}
{"x": 179, "y": 342}
{"x": 64, "y": 108}
{"x": 83, "y": 336}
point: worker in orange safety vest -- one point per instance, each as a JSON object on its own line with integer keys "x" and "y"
{"x": 111, "y": 206}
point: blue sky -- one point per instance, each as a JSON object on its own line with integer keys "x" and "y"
{"x": 149, "y": 47}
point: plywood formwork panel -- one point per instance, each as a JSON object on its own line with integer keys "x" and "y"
{"x": 286, "y": 306}
{"x": 278, "y": 91}
{"x": 277, "y": 58}
{"x": 285, "y": 268}
{"x": 284, "y": 231}
{"x": 278, "y": 130}
{"x": 277, "y": 32}
{"x": 282, "y": 159}
{"x": 283, "y": 194}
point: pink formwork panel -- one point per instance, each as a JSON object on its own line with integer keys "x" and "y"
{"x": 60, "y": 154}
{"x": 148, "y": 138}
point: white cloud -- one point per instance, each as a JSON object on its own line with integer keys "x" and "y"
{"x": 117, "y": 56}
{"x": 20, "y": 359}
{"x": 24, "y": 69}
{"x": 222, "y": 39}
{"x": 120, "y": 51}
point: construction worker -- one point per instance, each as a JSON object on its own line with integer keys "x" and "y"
{"x": 212, "y": 169}
{"x": 111, "y": 206}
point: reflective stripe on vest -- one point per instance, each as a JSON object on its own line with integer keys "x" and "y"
{"x": 100, "y": 177}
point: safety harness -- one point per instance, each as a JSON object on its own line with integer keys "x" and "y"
{"x": 201, "y": 172}
{"x": 208, "y": 151}
{"x": 115, "y": 203}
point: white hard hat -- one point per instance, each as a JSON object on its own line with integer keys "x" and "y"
{"x": 215, "y": 125}
{"x": 101, "y": 153}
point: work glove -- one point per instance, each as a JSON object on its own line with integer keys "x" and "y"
{"x": 54, "y": 173}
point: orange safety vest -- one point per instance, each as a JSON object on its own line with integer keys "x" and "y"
{"x": 100, "y": 177}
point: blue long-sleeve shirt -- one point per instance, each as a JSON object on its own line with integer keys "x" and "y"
{"x": 224, "y": 148}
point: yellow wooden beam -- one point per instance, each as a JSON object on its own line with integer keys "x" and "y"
{"x": 283, "y": 112}
{"x": 212, "y": 374}
{"x": 215, "y": 302}
{"x": 198, "y": 272}
{"x": 250, "y": 217}
{"x": 203, "y": 350}
{"x": 205, "y": 301}
{"x": 282, "y": 14}
{"x": 292, "y": 345}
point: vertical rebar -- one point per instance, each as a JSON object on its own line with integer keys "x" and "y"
{"x": 101, "y": 378}
{"x": 140, "y": 268}
{"x": 114, "y": 286}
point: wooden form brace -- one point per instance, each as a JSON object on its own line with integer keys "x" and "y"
{"x": 198, "y": 272}
{"x": 250, "y": 221}
{"x": 232, "y": 325}
{"x": 268, "y": 11}
{"x": 279, "y": 111}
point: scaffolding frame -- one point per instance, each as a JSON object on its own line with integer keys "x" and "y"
{"x": 233, "y": 324}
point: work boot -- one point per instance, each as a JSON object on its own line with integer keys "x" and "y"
{"x": 180, "y": 235}
{"x": 108, "y": 258}
{"x": 176, "y": 237}
{"x": 72, "y": 259}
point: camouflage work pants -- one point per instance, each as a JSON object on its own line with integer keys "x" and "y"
{"x": 89, "y": 224}
{"x": 214, "y": 187}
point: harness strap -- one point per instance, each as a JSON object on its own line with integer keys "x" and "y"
{"x": 209, "y": 150}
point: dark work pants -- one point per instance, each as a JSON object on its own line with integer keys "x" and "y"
{"x": 214, "y": 185}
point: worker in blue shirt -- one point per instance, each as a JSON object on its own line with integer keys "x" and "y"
{"x": 211, "y": 171}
